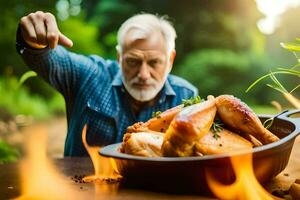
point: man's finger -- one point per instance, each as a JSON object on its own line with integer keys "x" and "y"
{"x": 40, "y": 29}
{"x": 52, "y": 31}
{"x": 27, "y": 30}
{"x": 41, "y": 34}
{"x": 64, "y": 40}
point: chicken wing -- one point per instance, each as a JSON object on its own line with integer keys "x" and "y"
{"x": 188, "y": 127}
{"x": 238, "y": 116}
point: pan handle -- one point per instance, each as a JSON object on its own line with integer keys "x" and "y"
{"x": 285, "y": 115}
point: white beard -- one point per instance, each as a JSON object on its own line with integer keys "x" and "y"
{"x": 144, "y": 94}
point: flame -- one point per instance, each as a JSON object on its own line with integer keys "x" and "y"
{"x": 39, "y": 178}
{"x": 245, "y": 185}
{"x": 105, "y": 168}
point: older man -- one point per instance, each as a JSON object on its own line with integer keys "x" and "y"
{"x": 107, "y": 95}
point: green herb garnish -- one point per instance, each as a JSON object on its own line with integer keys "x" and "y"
{"x": 156, "y": 114}
{"x": 216, "y": 128}
{"x": 191, "y": 101}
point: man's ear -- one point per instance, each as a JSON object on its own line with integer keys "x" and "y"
{"x": 172, "y": 58}
{"x": 118, "y": 57}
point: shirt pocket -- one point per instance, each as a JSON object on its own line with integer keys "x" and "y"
{"x": 101, "y": 128}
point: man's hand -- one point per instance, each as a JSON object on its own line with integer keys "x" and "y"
{"x": 40, "y": 30}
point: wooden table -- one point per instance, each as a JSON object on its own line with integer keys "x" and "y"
{"x": 70, "y": 167}
{"x": 76, "y": 166}
{"x": 284, "y": 180}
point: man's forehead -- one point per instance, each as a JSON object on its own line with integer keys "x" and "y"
{"x": 151, "y": 44}
{"x": 137, "y": 53}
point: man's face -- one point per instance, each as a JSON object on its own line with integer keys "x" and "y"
{"x": 145, "y": 66}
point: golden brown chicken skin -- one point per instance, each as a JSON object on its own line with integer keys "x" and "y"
{"x": 162, "y": 122}
{"x": 159, "y": 123}
{"x": 238, "y": 116}
{"x": 225, "y": 142}
{"x": 146, "y": 144}
{"x": 145, "y": 138}
{"x": 187, "y": 128}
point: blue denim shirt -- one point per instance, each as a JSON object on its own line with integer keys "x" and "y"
{"x": 94, "y": 94}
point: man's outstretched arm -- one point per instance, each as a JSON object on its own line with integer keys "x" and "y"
{"x": 39, "y": 43}
{"x": 40, "y": 30}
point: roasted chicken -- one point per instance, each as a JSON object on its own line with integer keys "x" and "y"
{"x": 147, "y": 144}
{"x": 162, "y": 122}
{"x": 238, "y": 116}
{"x": 187, "y": 128}
{"x": 145, "y": 139}
{"x": 159, "y": 123}
{"x": 226, "y": 142}
{"x": 188, "y": 131}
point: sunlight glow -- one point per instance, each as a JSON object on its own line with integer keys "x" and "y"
{"x": 272, "y": 9}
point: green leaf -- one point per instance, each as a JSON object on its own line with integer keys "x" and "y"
{"x": 191, "y": 101}
{"x": 297, "y": 65}
{"x": 290, "y": 46}
{"x": 289, "y": 71}
{"x": 256, "y": 82}
{"x": 277, "y": 82}
{"x": 156, "y": 114}
{"x": 26, "y": 76}
{"x": 295, "y": 88}
{"x": 216, "y": 128}
{"x": 280, "y": 71}
{"x": 275, "y": 88}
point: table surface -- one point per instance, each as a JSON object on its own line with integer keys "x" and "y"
{"x": 70, "y": 167}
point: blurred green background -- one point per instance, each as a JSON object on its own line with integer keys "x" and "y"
{"x": 222, "y": 47}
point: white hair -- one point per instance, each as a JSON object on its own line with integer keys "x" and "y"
{"x": 141, "y": 26}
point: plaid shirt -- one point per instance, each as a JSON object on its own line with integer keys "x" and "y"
{"x": 94, "y": 94}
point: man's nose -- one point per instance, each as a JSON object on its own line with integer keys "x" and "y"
{"x": 144, "y": 73}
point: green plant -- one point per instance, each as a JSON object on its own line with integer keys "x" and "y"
{"x": 16, "y": 99}
{"x": 7, "y": 153}
{"x": 292, "y": 71}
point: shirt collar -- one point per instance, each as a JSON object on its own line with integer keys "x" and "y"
{"x": 117, "y": 81}
{"x": 167, "y": 90}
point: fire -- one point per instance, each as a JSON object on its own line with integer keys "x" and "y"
{"x": 41, "y": 180}
{"x": 39, "y": 177}
{"x": 105, "y": 168}
{"x": 245, "y": 185}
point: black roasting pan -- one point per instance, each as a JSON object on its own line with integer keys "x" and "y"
{"x": 187, "y": 174}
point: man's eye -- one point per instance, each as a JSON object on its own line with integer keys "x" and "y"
{"x": 132, "y": 62}
{"x": 153, "y": 63}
